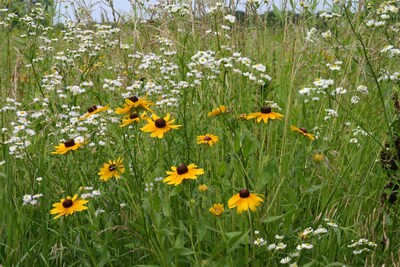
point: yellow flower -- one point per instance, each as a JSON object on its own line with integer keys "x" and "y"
{"x": 217, "y": 111}
{"x": 182, "y": 172}
{"x": 66, "y": 146}
{"x": 318, "y": 157}
{"x": 244, "y": 200}
{"x": 113, "y": 168}
{"x": 208, "y": 139}
{"x": 217, "y": 209}
{"x": 68, "y": 206}
{"x": 134, "y": 117}
{"x": 158, "y": 126}
{"x": 265, "y": 114}
{"x": 93, "y": 110}
{"x": 134, "y": 103}
{"x": 303, "y": 131}
{"x": 203, "y": 188}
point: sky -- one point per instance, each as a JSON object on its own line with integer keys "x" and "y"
{"x": 124, "y": 6}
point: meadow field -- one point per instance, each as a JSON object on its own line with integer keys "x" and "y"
{"x": 195, "y": 135}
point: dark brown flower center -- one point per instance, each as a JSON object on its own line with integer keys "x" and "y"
{"x": 303, "y": 130}
{"x": 67, "y": 203}
{"x": 244, "y": 193}
{"x": 92, "y": 109}
{"x": 207, "y": 138}
{"x": 266, "y": 110}
{"x": 160, "y": 123}
{"x": 69, "y": 143}
{"x": 134, "y": 99}
{"x": 133, "y": 116}
{"x": 112, "y": 167}
{"x": 181, "y": 169}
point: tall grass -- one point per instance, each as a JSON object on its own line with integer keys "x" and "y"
{"x": 327, "y": 202}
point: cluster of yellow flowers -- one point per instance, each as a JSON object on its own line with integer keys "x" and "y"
{"x": 158, "y": 126}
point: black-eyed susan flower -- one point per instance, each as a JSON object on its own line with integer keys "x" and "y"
{"x": 265, "y": 114}
{"x": 158, "y": 126}
{"x": 208, "y": 139}
{"x": 68, "y": 206}
{"x": 68, "y": 145}
{"x": 93, "y": 110}
{"x": 178, "y": 174}
{"x": 134, "y": 117}
{"x": 217, "y": 111}
{"x": 113, "y": 168}
{"x": 217, "y": 209}
{"x": 134, "y": 103}
{"x": 244, "y": 200}
{"x": 302, "y": 131}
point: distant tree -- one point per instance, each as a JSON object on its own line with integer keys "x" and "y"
{"x": 240, "y": 15}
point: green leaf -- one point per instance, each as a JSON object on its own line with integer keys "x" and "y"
{"x": 237, "y": 143}
{"x": 335, "y": 264}
{"x": 316, "y": 187}
{"x": 131, "y": 245}
{"x": 182, "y": 251}
{"x": 179, "y": 241}
{"x": 250, "y": 145}
{"x": 311, "y": 263}
{"x": 221, "y": 168}
{"x": 273, "y": 218}
{"x": 165, "y": 232}
{"x": 235, "y": 239}
{"x": 277, "y": 11}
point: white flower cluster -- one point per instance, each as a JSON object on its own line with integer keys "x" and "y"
{"x": 329, "y": 15}
{"x": 314, "y": 93}
{"x": 362, "y": 245}
{"x": 335, "y": 66}
{"x": 311, "y": 35}
{"x": 31, "y": 199}
{"x": 91, "y": 194}
{"x": 205, "y": 65}
{"x": 331, "y": 113}
{"x": 391, "y": 51}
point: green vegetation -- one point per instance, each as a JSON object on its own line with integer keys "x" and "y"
{"x": 93, "y": 116}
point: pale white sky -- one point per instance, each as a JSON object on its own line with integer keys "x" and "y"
{"x": 123, "y": 6}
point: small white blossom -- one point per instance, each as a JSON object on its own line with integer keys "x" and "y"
{"x": 285, "y": 260}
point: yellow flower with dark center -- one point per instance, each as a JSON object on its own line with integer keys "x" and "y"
{"x": 93, "y": 110}
{"x": 217, "y": 209}
{"x": 302, "y": 131}
{"x": 113, "y": 168}
{"x": 244, "y": 200}
{"x": 208, "y": 139}
{"x": 134, "y": 103}
{"x": 158, "y": 126}
{"x": 66, "y": 146}
{"x": 178, "y": 174}
{"x": 217, "y": 111}
{"x": 68, "y": 206}
{"x": 265, "y": 114}
{"x": 134, "y": 117}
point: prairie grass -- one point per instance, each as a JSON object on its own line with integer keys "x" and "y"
{"x": 331, "y": 201}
